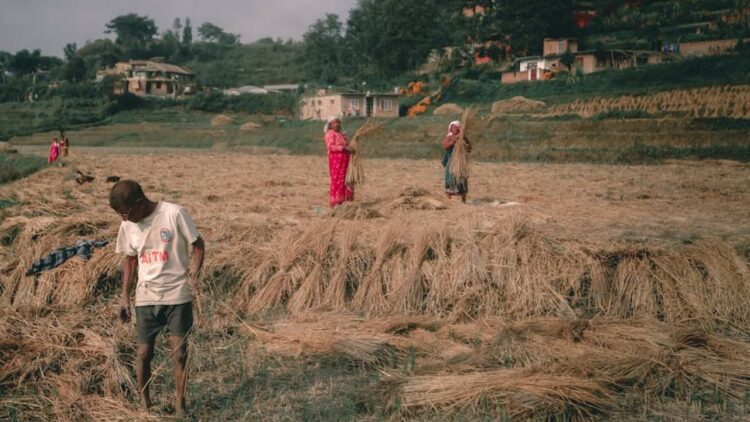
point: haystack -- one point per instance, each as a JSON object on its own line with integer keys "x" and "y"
{"x": 221, "y": 120}
{"x": 250, "y": 126}
{"x": 413, "y": 198}
{"x": 516, "y": 104}
{"x": 448, "y": 109}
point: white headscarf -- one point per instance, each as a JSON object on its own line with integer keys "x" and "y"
{"x": 454, "y": 123}
{"x": 328, "y": 123}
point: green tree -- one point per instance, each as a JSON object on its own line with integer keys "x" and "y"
{"x": 389, "y": 37}
{"x": 101, "y": 53}
{"x": 70, "y": 50}
{"x": 75, "y": 69}
{"x": 25, "y": 62}
{"x": 567, "y": 59}
{"x": 187, "y": 35}
{"x": 522, "y": 23}
{"x": 212, "y": 33}
{"x": 177, "y": 28}
{"x": 170, "y": 42}
{"x": 323, "y": 42}
{"x": 135, "y": 33}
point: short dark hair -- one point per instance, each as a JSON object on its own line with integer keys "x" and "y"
{"x": 125, "y": 193}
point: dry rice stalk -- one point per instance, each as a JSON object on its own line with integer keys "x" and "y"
{"x": 336, "y": 293}
{"x": 413, "y": 198}
{"x": 310, "y": 292}
{"x": 459, "y": 165}
{"x": 355, "y": 211}
{"x": 332, "y": 335}
{"x": 293, "y": 261}
{"x": 524, "y": 393}
{"x": 371, "y": 293}
{"x": 407, "y": 294}
{"x": 355, "y": 174}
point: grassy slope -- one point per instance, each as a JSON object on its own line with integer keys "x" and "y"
{"x": 258, "y": 63}
{"x": 624, "y": 141}
{"x": 13, "y": 166}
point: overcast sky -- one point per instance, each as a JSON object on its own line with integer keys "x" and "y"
{"x": 50, "y": 24}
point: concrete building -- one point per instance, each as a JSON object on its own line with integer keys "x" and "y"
{"x": 151, "y": 78}
{"x": 321, "y": 107}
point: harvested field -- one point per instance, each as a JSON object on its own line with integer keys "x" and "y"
{"x": 603, "y": 292}
{"x": 718, "y": 101}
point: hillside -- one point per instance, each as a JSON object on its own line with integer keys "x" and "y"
{"x": 260, "y": 63}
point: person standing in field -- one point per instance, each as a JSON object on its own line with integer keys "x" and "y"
{"x": 54, "y": 151}
{"x": 64, "y": 144}
{"x": 155, "y": 238}
{"x": 338, "y": 161}
{"x": 453, "y": 186}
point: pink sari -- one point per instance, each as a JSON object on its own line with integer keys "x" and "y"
{"x": 54, "y": 152}
{"x": 338, "y": 161}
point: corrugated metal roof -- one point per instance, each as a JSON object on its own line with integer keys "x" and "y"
{"x": 161, "y": 67}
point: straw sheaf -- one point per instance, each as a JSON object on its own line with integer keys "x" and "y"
{"x": 459, "y": 163}
{"x": 355, "y": 174}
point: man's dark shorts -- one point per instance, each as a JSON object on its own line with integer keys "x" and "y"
{"x": 150, "y": 319}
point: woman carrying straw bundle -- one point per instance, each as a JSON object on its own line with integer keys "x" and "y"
{"x": 338, "y": 161}
{"x": 54, "y": 151}
{"x": 455, "y": 184}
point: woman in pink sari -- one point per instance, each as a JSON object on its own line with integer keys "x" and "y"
{"x": 54, "y": 151}
{"x": 338, "y": 161}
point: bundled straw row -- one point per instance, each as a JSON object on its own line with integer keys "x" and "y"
{"x": 729, "y": 101}
{"x": 508, "y": 269}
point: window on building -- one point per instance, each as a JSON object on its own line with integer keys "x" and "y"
{"x": 333, "y": 101}
{"x": 320, "y": 102}
{"x": 354, "y": 102}
{"x": 158, "y": 85}
{"x": 387, "y": 104}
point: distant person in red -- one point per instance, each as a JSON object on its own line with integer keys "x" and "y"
{"x": 338, "y": 161}
{"x": 54, "y": 151}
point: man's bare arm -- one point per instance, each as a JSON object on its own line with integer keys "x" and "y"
{"x": 129, "y": 270}
{"x": 196, "y": 260}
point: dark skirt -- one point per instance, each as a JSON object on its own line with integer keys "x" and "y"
{"x": 453, "y": 186}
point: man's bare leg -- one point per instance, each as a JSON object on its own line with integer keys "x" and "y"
{"x": 144, "y": 354}
{"x": 179, "y": 356}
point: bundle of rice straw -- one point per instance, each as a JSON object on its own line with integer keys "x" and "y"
{"x": 355, "y": 174}
{"x": 459, "y": 165}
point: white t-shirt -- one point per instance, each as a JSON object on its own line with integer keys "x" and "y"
{"x": 161, "y": 241}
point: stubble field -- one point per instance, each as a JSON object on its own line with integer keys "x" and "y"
{"x": 558, "y": 291}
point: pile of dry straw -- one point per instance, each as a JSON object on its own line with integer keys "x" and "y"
{"x": 497, "y": 313}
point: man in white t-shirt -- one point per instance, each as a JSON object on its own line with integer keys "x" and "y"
{"x": 155, "y": 238}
